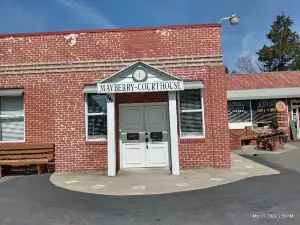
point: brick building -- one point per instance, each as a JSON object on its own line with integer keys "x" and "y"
{"x": 253, "y": 101}
{"x": 121, "y": 98}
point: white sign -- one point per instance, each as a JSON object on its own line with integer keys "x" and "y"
{"x": 140, "y": 87}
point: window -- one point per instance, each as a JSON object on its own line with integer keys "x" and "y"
{"x": 264, "y": 111}
{"x": 96, "y": 125}
{"x": 11, "y": 118}
{"x": 191, "y": 113}
{"x": 239, "y": 111}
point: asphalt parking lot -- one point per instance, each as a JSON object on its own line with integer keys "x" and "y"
{"x": 290, "y": 160}
{"x": 273, "y": 199}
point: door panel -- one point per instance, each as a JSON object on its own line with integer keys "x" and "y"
{"x": 132, "y": 137}
{"x": 156, "y": 124}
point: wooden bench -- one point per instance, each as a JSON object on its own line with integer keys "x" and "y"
{"x": 249, "y": 136}
{"x": 26, "y": 155}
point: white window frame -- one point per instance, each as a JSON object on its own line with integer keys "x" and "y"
{"x": 191, "y": 110}
{"x": 104, "y": 138}
{"x": 14, "y": 117}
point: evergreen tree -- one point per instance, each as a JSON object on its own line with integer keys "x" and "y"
{"x": 284, "y": 53}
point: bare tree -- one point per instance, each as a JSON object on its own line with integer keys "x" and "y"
{"x": 246, "y": 64}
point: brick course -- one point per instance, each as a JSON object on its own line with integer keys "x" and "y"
{"x": 54, "y": 102}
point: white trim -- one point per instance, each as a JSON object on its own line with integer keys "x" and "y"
{"x": 11, "y": 92}
{"x": 132, "y": 66}
{"x": 264, "y": 93}
{"x": 120, "y": 121}
{"x": 173, "y": 132}
{"x": 192, "y": 85}
{"x": 192, "y": 110}
{"x": 150, "y": 103}
{"x": 92, "y": 89}
{"x": 111, "y": 137}
{"x": 239, "y": 125}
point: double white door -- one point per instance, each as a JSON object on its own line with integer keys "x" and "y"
{"x": 144, "y": 136}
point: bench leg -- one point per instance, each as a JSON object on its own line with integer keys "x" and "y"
{"x": 1, "y": 171}
{"x": 39, "y": 168}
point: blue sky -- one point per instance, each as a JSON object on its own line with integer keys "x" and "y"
{"x": 256, "y": 16}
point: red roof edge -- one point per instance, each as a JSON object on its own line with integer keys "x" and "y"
{"x": 113, "y": 30}
{"x": 263, "y": 73}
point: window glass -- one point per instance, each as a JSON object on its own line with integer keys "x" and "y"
{"x": 12, "y": 105}
{"x": 12, "y": 118}
{"x": 191, "y": 113}
{"x": 239, "y": 111}
{"x": 190, "y": 99}
{"x": 97, "y": 103}
{"x": 12, "y": 129}
{"x": 97, "y": 127}
{"x": 264, "y": 111}
{"x": 96, "y": 116}
{"x": 191, "y": 123}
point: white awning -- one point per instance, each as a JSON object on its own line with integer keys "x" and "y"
{"x": 267, "y": 93}
{"x": 90, "y": 89}
{"x": 192, "y": 84}
{"x": 11, "y": 92}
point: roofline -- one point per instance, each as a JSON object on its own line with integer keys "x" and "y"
{"x": 112, "y": 30}
{"x": 263, "y": 73}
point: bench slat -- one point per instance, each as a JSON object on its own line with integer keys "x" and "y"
{"x": 23, "y": 162}
{"x": 26, "y": 147}
{"x": 35, "y": 156}
{"x": 13, "y": 152}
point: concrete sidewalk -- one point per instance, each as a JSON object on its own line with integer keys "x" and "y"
{"x": 251, "y": 150}
{"x": 159, "y": 181}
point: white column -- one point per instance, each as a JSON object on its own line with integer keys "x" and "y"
{"x": 174, "y": 132}
{"x": 111, "y": 136}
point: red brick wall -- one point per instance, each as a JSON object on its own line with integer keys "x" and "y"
{"x": 54, "y": 102}
{"x": 213, "y": 150}
{"x": 235, "y": 141}
{"x": 189, "y": 40}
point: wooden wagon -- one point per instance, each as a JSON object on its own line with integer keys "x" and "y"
{"x": 273, "y": 140}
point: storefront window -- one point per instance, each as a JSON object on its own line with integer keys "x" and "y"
{"x": 96, "y": 116}
{"x": 11, "y": 118}
{"x": 191, "y": 113}
{"x": 259, "y": 113}
{"x": 263, "y": 112}
{"x": 239, "y": 111}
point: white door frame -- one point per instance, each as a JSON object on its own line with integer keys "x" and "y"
{"x": 298, "y": 120}
{"x": 142, "y": 104}
{"x": 297, "y": 107}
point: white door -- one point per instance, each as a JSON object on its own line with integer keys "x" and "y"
{"x": 156, "y": 127}
{"x": 298, "y": 122}
{"x": 144, "y": 136}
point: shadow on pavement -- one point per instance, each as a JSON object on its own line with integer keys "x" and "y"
{"x": 34, "y": 200}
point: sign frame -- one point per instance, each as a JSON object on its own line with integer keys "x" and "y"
{"x": 155, "y": 86}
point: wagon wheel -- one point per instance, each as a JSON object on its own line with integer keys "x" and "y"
{"x": 258, "y": 143}
{"x": 284, "y": 139}
{"x": 272, "y": 144}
